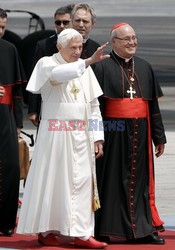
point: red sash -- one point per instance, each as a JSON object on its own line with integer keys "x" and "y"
{"x": 7, "y": 97}
{"x": 136, "y": 108}
{"x": 125, "y": 108}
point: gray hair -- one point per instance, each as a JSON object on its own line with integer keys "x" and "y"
{"x": 113, "y": 33}
{"x": 86, "y": 7}
{"x": 66, "y": 35}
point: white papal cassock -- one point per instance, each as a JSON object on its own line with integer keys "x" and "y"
{"x": 59, "y": 188}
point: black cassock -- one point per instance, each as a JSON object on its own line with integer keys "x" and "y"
{"x": 125, "y": 175}
{"x": 11, "y": 115}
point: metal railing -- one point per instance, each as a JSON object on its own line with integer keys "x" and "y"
{"x": 35, "y": 21}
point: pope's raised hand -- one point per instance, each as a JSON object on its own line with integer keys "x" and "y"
{"x": 98, "y": 55}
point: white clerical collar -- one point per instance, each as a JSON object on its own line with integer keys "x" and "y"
{"x": 126, "y": 59}
{"x": 85, "y": 39}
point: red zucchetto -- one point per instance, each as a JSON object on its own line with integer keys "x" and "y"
{"x": 117, "y": 25}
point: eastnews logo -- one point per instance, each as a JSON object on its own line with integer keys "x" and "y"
{"x": 93, "y": 125}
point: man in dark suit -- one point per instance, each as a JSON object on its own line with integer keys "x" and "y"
{"x": 47, "y": 46}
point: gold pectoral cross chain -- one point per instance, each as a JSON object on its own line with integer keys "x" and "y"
{"x": 74, "y": 90}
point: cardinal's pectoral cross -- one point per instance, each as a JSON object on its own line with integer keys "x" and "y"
{"x": 74, "y": 90}
{"x": 131, "y": 91}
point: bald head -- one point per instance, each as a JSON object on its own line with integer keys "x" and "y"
{"x": 124, "y": 40}
{"x": 121, "y": 29}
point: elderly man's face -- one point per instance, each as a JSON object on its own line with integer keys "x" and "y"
{"x": 72, "y": 51}
{"x": 62, "y": 22}
{"x": 3, "y": 23}
{"x": 125, "y": 41}
{"x": 82, "y": 22}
